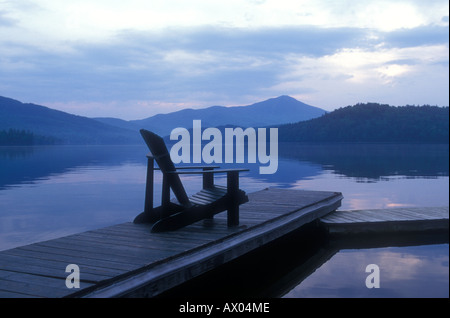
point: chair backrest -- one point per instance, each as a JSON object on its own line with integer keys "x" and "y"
{"x": 159, "y": 151}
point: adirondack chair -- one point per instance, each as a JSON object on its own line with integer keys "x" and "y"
{"x": 183, "y": 210}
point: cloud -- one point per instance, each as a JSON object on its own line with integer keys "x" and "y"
{"x": 6, "y": 21}
{"x": 326, "y": 53}
{"x": 169, "y": 64}
{"x": 399, "y": 76}
{"x": 423, "y": 35}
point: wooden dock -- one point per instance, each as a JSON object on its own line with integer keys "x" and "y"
{"x": 393, "y": 220}
{"x": 126, "y": 260}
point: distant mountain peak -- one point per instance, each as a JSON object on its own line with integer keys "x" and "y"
{"x": 78, "y": 129}
{"x": 274, "y": 111}
{"x": 283, "y": 100}
{"x": 285, "y": 97}
{"x": 58, "y": 125}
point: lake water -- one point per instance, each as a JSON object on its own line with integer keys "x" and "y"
{"x": 52, "y": 191}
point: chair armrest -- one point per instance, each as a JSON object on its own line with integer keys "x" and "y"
{"x": 205, "y": 168}
{"x": 197, "y": 167}
{"x": 208, "y": 178}
{"x": 209, "y": 171}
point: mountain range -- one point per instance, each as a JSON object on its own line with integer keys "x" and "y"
{"x": 61, "y": 127}
{"x": 65, "y": 128}
{"x": 274, "y": 111}
{"x": 22, "y": 124}
{"x": 373, "y": 122}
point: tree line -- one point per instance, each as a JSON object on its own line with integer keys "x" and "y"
{"x": 372, "y": 122}
{"x": 17, "y": 137}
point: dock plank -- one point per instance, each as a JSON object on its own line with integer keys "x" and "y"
{"x": 386, "y": 220}
{"x": 34, "y": 285}
{"x": 128, "y": 260}
{"x": 56, "y": 252}
{"x": 10, "y": 294}
{"x": 108, "y": 241}
{"x": 69, "y": 259}
{"x": 44, "y": 268}
{"x": 109, "y": 251}
{"x": 27, "y": 264}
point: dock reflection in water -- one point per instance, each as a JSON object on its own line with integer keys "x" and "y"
{"x": 306, "y": 265}
{"x": 48, "y": 192}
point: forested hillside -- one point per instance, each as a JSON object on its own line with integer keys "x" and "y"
{"x": 25, "y": 123}
{"x": 373, "y": 122}
{"x": 14, "y": 137}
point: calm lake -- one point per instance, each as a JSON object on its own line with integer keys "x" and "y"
{"x": 52, "y": 191}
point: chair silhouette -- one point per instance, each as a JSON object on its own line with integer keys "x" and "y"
{"x": 183, "y": 210}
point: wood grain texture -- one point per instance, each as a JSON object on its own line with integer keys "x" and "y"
{"x": 127, "y": 260}
{"x": 386, "y": 220}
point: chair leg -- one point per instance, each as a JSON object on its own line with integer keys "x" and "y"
{"x": 233, "y": 216}
{"x": 208, "y": 178}
{"x": 150, "y": 213}
{"x": 233, "y": 191}
{"x": 148, "y": 203}
{"x": 165, "y": 197}
{"x": 208, "y": 182}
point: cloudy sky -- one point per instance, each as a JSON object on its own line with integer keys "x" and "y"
{"x": 132, "y": 59}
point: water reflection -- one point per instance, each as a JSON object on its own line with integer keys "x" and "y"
{"x": 362, "y": 162}
{"x": 30, "y": 164}
{"x": 306, "y": 264}
{"x": 372, "y": 162}
{"x": 410, "y": 266}
{"x": 52, "y": 191}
